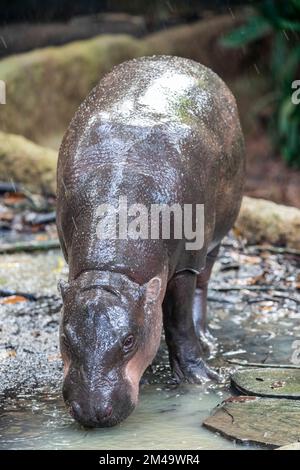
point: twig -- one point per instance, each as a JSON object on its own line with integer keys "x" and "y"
{"x": 274, "y": 294}
{"x": 9, "y": 187}
{"x": 29, "y": 246}
{"x": 8, "y": 293}
{"x": 12, "y": 187}
{"x": 229, "y": 414}
{"x": 229, "y": 288}
{"x": 259, "y": 364}
{"x": 286, "y": 296}
{"x": 274, "y": 249}
{"x": 41, "y": 219}
{"x": 212, "y": 298}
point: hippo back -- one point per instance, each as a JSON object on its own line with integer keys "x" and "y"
{"x": 158, "y": 130}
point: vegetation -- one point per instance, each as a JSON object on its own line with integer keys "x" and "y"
{"x": 280, "y": 21}
{"x": 23, "y": 161}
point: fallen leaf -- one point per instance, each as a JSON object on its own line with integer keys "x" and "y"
{"x": 41, "y": 237}
{"x": 54, "y": 357}
{"x": 250, "y": 281}
{"x": 278, "y": 384}
{"x": 7, "y": 353}
{"x": 13, "y": 198}
{"x": 241, "y": 258}
{"x": 6, "y": 216}
{"x": 13, "y": 299}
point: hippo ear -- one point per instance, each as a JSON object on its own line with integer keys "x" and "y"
{"x": 153, "y": 289}
{"x": 63, "y": 287}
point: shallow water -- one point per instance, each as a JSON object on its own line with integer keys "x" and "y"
{"x": 164, "y": 419}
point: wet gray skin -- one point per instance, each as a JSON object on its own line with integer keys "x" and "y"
{"x": 158, "y": 130}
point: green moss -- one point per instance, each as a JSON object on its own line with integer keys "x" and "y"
{"x": 262, "y": 221}
{"x": 44, "y": 87}
{"x": 26, "y": 162}
{"x": 268, "y": 382}
{"x": 183, "y": 109}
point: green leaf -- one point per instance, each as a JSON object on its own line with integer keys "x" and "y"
{"x": 288, "y": 72}
{"x": 278, "y": 55}
{"x": 296, "y": 3}
{"x": 289, "y": 128}
{"x": 256, "y": 28}
{"x": 285, "y": 111}
{"x": 289, "y": 25}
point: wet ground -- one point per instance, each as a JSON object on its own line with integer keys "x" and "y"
{"x": 254, "y": 311}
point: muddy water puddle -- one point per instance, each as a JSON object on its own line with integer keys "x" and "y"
{"x": 164, "y": 419}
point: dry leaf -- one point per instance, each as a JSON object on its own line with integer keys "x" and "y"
{"x": 13, "y": 198}
{"x": 278, "y": 384}
{"x": 13, "y": 299}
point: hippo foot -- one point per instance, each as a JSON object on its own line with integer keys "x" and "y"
{"x": 195, "y": 372}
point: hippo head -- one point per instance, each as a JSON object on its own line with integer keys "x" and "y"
{"x": 109, "y": 333}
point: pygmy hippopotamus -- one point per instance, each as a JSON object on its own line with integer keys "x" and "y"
{"x": 156, "y": 131}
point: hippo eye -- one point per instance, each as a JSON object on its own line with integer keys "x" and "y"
{"x": 128, "y": 343}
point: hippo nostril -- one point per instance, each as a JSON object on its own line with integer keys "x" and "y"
{"x": 108, "y": 412}
{"x": 104, "y": 414}
{"x": 75, "y": 409}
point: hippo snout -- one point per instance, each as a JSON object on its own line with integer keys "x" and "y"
{"x": 101, "y": 408}
{"x": 99, "y": 416}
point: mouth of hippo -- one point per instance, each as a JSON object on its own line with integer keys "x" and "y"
{"x": 95, "y": 412}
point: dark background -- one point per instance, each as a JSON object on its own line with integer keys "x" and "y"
{"x": 38, "y": 11}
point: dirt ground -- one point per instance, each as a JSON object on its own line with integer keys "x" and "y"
{"x": 253, "y": 302}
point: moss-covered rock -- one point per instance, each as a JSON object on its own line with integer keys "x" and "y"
{"x": 44, "y": 87}
{"x": 27, "y": 163}
{"x": 268, "y": 382}
{"x": 271, "y": 422}
{"x": 264, "y": 221}
{"x": 294, "y": 446}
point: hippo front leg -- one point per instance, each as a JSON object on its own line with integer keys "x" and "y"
{"x": 186, "y": 350}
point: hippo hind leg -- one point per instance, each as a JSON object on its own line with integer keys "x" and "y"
{"x": 185, "y": 345}
{"x": 200, "y": 304}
